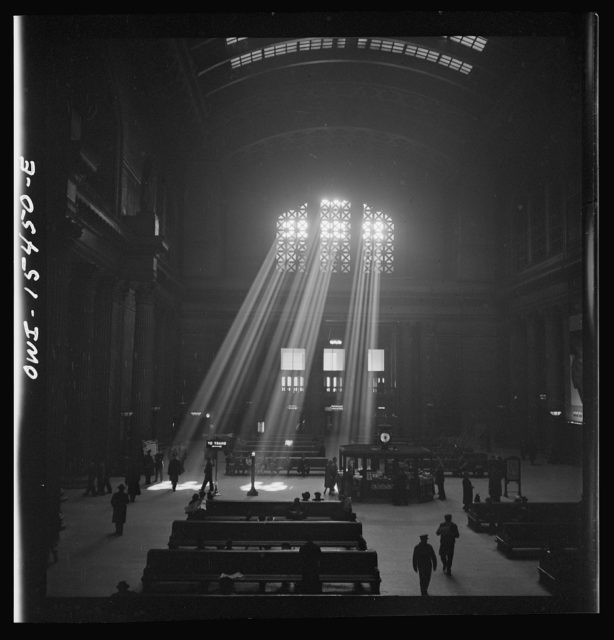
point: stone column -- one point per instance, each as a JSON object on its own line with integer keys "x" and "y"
{"x": 118, "y": 296}
{"x": 518, "y": 395}
{"x": 159, "y": 363}
{"x": 84, "y": 285}
{"x": 427, "y": 400}
{"x": 554, "y": 358}
{"x": 553, "y": 338}
{"x": 532, "y": 380}
{"x": 404, "y": 382}
{"x": 58, "y": 317}
{"x": 103, "y": 316}
{"x": 142, "y": 375}
{"x": 168, "y": 382}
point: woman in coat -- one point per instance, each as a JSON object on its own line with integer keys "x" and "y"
{"x": 467, "y": 491}
{"x": 119, "y": 502}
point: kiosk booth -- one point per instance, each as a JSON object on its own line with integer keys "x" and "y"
{"x": 398, "y": 474}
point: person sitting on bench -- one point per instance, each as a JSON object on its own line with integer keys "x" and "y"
{"x": 296, "y": 512}
{"x": 194, "y": 506}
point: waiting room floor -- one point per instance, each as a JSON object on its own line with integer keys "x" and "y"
{"x": 92, "y": 560}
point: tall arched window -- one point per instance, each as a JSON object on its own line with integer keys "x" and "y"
{"x": 335, "y": 236}
{"x": 377, "y": 241}
{"x": 292, "y": 240}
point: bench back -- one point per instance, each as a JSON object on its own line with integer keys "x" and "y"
{"x": 190, "y": 532}
{"x": 555, "y": 512}
{"x": 540, "y": 534}
{"x": 275, "y": 508}
{"x": 176, "y": 563}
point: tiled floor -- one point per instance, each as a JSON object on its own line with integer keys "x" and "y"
{"x": 92, "y": 560}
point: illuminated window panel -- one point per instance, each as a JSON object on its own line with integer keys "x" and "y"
{"x": 473, "y": 42}
{"x": 333, "y": 384}
{"x": 375, "y": 359}
{"x": 231, "y": 41}
{"x": 335, "y": 236}
{"x": 292, "y": 363}
{"x": 292, "y": 384}
{"x": 334, "y": 360}
{"x": 291, "y": 241}
{"x": 377, "y": 241}
{"x": 292, "y": 359}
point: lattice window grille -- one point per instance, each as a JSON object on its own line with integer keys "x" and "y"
{"x": 335, "y": 236}
{"x": 291, "y": 242}
{"x": 377, "y": 241}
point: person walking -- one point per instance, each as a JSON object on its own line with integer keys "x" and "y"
{"x": 330, "y": 476}
{"x": 103, "y": 482}
{"x": 159, "y": 466}
{"x": 133, "y": 481}
{"x": 208, "y": 477}
{"x": 119, "y": 502}
{"x": 447, "y": 532}
{"x": 439, "y": 481}
{"x": 174, "y": 469}
{"x": 467, "y": 491}
{"x": 91, "y": 479}
{"x": 424, "y": 562}
{"x": 148, "y": 466}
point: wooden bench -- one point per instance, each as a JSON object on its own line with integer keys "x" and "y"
{"x": 194, "y": 569}
{"x": 283, "y": 464}
{"x": 324, "y": 510}
{"x": 242, "y": 533}
{"x": 486, "y": 516}
{"x": 490, "y": 516}
{"x": 537, "y": 536}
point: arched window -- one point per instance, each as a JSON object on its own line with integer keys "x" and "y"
{"x": 335, "y": 236}
{"x": 292, "y": 240}
{"x": 377, "y": 241}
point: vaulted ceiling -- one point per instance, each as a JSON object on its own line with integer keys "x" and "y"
{"x": 427, "y": 100}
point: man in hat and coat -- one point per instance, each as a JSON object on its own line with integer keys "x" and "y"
{"x": 447, "y": 532}
{"x": 174, "y": 470}
{"x": 424, "y": 561}
{"x": 119, "y": 502}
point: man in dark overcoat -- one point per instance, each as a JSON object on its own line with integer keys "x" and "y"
{"x": 447, "y": 532}
{"x": 467, "y": 491}
{"x": 174, "y": 469}
{"x": 208, "y": 477}
{"x": 119, "y": 502}
{"x": 424, "y": 562}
